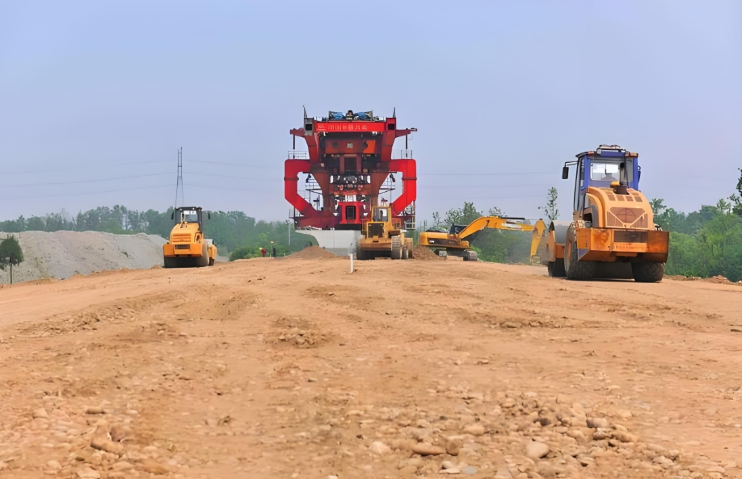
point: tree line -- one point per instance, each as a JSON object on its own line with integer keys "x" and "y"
{"x": 703, "y": 243}
{"x": 707, "y": 242}
{"x": 232, "y": 231}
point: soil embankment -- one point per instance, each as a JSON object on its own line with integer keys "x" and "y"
{"x": 296, "y": 368}
{"x": 62, "y": 254}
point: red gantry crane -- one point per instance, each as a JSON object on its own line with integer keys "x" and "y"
{"x": 349, "y": 165}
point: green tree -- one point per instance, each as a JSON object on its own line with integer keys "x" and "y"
{"x": 35, "y": 224}
{"x": 462, "y": 216}
{"x": 436, "y": 224}
{"x": 11, "y": 253}
{"x": 658, "y": 206}
{"x": 736, "y": 198}
{"x": 494, "y": 211}
{"x": 551, "y": 210}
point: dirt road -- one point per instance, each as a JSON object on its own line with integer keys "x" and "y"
{"x": 293, "y": 368}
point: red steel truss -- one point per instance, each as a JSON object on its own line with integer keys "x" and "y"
{"x": 350, "y": 158}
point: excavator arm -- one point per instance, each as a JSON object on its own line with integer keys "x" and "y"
{"x": 493, "y": 222}
{"x": 456, "y": 243}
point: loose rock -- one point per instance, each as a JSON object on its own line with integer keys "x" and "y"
{"x": 503, "y": 473}
{"x": 598, "y": 423}
{"x": 453, "y": 446}
{"x": 40, "y": 414}
{"x": 625, "y": 436}
{"x": 379, "y": 448}
{"x": 154, "y": 468}
{"x": 475, "y": 429}
{"x": 101, "y": 439}
{"x": 427, "y": 449}
{"x": 536, "y": 450}
{"x": 88, "y": 473}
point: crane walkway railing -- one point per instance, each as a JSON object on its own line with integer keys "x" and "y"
{"x": 402, "y": 154}
{"x": 298, "y": 155}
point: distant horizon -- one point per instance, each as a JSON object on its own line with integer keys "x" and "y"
{"x": 268, "y": 220}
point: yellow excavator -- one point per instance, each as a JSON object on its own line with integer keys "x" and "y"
{"x": 188, "y": 248}
{"x": 455, "y": 242}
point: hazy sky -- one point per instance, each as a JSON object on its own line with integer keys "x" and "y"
{"x": 502, "y": 92}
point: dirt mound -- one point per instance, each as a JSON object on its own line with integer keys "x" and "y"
{"x": 425, "y": 254}
{"x": 313, "y": 252}
{"x": 63, "y": 254}
{"x": 718, "y": 279}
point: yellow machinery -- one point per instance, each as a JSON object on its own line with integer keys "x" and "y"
{"x": 383, "y": 236}
{"x": 538, "y": 232}
{"x": 187, "y": 247}
{"x": 612, "y": 233}
{"x": 454, "y": 242}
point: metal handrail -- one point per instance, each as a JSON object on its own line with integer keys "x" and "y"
{"x": 402, "y": 154}
{"x": 298, "y": 155}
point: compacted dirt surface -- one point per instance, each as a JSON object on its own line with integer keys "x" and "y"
{"x": 294, "y": 368}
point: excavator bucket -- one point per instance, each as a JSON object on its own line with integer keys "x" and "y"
{"x": 536, "y": 239}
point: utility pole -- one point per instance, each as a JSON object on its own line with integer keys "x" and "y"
{"x": 179, "y": 185}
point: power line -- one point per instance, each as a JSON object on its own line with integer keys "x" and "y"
{"x": 84, "y": 194}
{"x": 478, "y": 186}
{"x": 82, "y": 167}
{"x": 488, "y": 174}
{"x": 235, "y": 164}
{"x": 490, "y": 197}
{"x": 232, "y": 176}
{"x": 228, "y": 188}
{"x": 84, "y": 181}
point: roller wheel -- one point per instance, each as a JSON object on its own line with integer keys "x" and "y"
{"x": 648, "y": 272}
{"x": 405, "y": 253}
{"x": 396, "y": 247}
{"x": 203, "y": 260}
{"x": 171, "y": 262}
{"x": 556, "y": 268}
{"x": 574, "y": 268}
{"x": 360, "y": 254}
{"x": 410, "y": 248}
{"x": 211, "y": 261}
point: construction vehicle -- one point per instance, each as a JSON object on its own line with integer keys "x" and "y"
{"x": 383, "y": 236}
{"x": 538, "y": 232}
{"x": 187, "y": 247}
{"x": 455, "y": 242}
{"x": 350, "y": 166}
{"x": 612, "y": 233}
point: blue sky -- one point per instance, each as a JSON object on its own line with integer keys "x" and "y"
{"x": 502, "y": 92}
